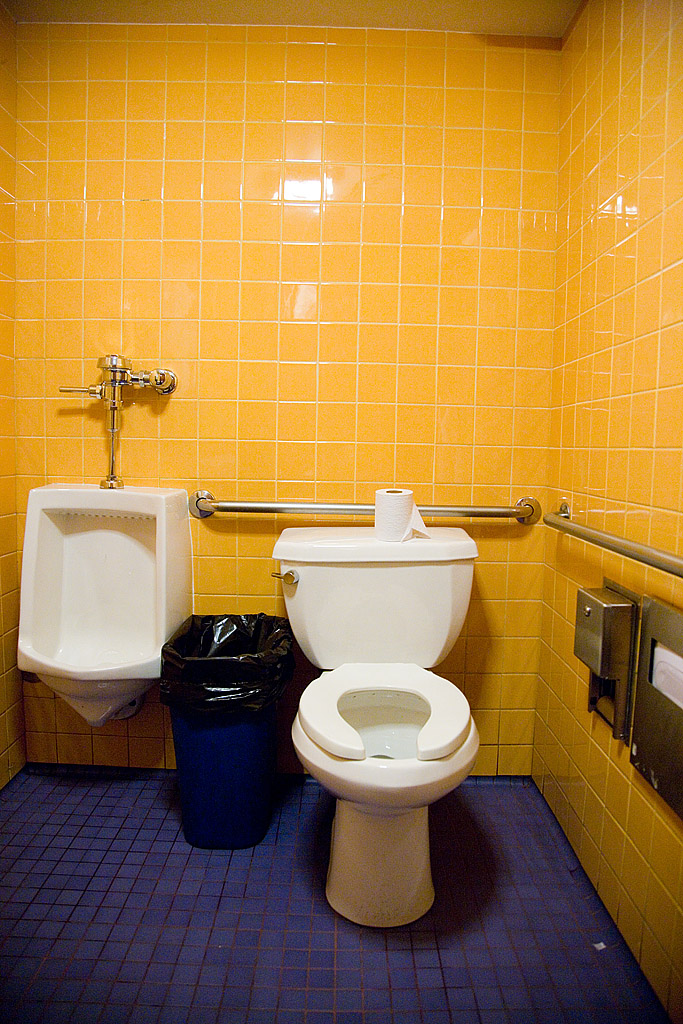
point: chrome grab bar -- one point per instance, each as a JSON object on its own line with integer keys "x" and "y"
{"x": 203, "y": 504}
{"x": 654, "y": 557}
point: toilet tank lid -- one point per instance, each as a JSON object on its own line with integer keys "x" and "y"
{"x": 359, "y": 544}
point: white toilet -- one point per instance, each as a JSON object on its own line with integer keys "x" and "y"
{"x": 106, "y": 579}
{"x": 382, "y": 733}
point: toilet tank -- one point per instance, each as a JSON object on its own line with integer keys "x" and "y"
{"x": 360, "y": 599}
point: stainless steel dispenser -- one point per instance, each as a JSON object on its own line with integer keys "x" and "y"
{"x": 657, "y": 740}
{"x": 604, "y": 641}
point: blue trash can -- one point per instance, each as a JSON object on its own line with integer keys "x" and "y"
{"x": 221, "y": 677}
{"x": 226, "y": 771}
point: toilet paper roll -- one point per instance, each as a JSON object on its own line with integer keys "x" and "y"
{"x": 396, "y": 515}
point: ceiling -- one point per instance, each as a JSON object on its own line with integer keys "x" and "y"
{"x": 497, "y": 17}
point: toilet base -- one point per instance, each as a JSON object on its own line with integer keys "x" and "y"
{"x": 379, "y": 873}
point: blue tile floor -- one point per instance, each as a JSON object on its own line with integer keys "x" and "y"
{"x": 107, "y": 915}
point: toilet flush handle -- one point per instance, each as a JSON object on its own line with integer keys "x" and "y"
{"x": 291, "y": 576}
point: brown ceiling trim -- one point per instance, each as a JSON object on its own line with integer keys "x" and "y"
{"x": 577, "y": 14}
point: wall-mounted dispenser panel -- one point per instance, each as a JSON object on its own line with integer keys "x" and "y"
{"x": 603, "y": 640}
{"x": 657, "y": 741}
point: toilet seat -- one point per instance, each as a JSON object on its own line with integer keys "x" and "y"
{"x": 445, "y": 730}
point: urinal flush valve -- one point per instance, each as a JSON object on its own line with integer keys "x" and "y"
{"x": 117, "y": 373}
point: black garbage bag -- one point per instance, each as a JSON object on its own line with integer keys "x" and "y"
{"x": 227, "y": 662}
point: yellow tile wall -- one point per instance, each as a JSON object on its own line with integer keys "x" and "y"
{"x": 12, "y": 754}
{"x": 616, "y": 441}
{"x": 353, "y": 247}
{"x": 343, "y": 242}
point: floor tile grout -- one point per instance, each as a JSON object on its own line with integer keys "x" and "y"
{"x": 107, "y": 916}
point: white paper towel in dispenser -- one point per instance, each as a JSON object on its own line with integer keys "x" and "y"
{"x": 397, "y": 517}
{"x": 667, "y": 674}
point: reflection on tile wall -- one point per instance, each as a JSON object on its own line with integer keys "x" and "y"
{"x": 11, "y": 718}
{"x": 617, "y": 441}
{"x": 343, "y": 242}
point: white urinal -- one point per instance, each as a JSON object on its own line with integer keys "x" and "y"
{"x": 106, "y": 580}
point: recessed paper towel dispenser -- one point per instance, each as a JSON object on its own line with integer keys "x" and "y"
{"x": 604, "y": 641}
{"x": 657, "y": 740}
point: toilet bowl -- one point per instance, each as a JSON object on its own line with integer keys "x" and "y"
{"x": 386, "y": 736}
{"x": 387, "y": 740}
{"x": 106, "y": 579}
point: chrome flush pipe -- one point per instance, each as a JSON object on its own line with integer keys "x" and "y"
{"x": 117, "y": 373}
{"x": 114, "y": 371}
